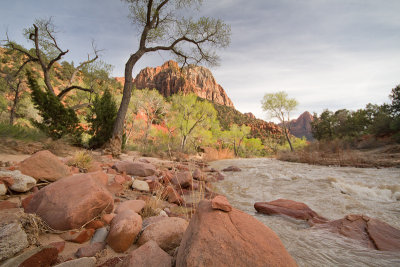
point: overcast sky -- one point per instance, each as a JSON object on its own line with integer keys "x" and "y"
{"x": 324, "y": 53}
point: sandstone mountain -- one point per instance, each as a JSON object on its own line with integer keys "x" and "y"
{"x": 302, "y": 126}
{"x": 169, "y": 79}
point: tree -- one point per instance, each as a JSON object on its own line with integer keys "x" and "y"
{"x": 190, "y": 113}
{"x": 279, "y": 106}
{"x": 163, "y": 27}
{"x": 46, "y": 52}
{"x": 395, "y": 97}
{"x": 151, "y": 104}
{"x": 235, "y": 136}
{"x": 101, "y": 118}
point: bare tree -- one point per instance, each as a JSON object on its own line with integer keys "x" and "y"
{"x": 47, "y": 52}
{"x": 162, "y": 27}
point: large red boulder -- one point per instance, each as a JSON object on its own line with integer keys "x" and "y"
{"x": 218, "y": 238}
{"x": 150, "y": 254}
{"x": 297, "y": 210}
{"x": 44, "y": 165}
{"x": 71, "y": 202}
{"x": 369, "y": 232}
{"x": 125, "y": 227}
{"x": 135, "y": 168}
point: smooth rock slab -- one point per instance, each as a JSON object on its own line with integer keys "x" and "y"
{"x": 217, "y": 238}
{"x": 40, "y": 256}
{"x": 13, "y": 239}
{"x": 294, "y": 209}
{"x": 71, "y": 202}
{"x": 221, "y": 203}
{"x": 21, "y": 182}
{"x": 90, "y": 250}
{"x": 149, "y": 254}
{"x": 44, "y": 165}
{"x": 140, "y": 185}
{"x": 134, "y": 205}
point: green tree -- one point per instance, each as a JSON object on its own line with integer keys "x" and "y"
{"x": 57, "y": 121}
{"x": 152, "y": 105}
{"x": 395, "y": 97}
{"x": 279, "y": 106}
{"x": 101, "y": 119}
{"x": 162, "y": 26}
{"x": 189, "y": 113}
{"x": 235, "y": 136}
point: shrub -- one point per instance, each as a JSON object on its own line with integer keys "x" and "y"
{"x": 82, "y": 160}
{"x": 21, "y": 132}
{"x": 57, "y": 120}
{"x": 101, "y": 118}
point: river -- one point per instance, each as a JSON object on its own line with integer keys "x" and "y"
{"x": 332, "y": 192}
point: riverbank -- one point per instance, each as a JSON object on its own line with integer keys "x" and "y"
{"x": 382, "y": 157}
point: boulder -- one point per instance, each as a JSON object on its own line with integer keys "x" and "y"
{"x": 140, "y": 185}
{"x": 21, "y": 182}
{"x": 183, "y": 179}
{"x": 13, "y": 239}
{"x": 44, "y": 165}
{"x": 199, "y": 175}
{"x": 217, "y": 238}
{"x": 369, "y": 232}
{"x": 81, "y": 262}
{"x": 167, "y": 233}
{"x": 39, "y": 256}
{"x": 171, "y": 195}
{"x": 297, "y": 210}
{"x": 125, "y": 227}
{"x": 221, "y": 203}
{"x": 3, "y": 189}
{"x": 149, "y": 254}
{"x": 135, "y": 168}
{"x": 100, "y": 235}
{"x": 80, "y": 237}
{"x": 232, "y": 169}
{"x": 134, "y": 205}
{"x": 107, "y": 218}
{"x": 71, "y": 202}
{"x": 90, "y": 250}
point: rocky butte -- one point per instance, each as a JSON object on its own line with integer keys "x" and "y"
{"x": 169, "y": 79}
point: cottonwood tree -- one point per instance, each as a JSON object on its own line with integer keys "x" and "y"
{"x": 279, "y": 106}
{"x": 162, "y": 26}
{"x": 235, "y": 136}
{"x": 189, "y": 113}
{"x": 46, "y": 52}
{"x": 151, "y": 104}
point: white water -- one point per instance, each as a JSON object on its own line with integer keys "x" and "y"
{"x": 332, "y": 192}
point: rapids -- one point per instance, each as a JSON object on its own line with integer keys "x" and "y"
{"x": 332, "y": 192}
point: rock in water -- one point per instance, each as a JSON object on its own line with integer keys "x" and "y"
{"x": 232, "y": 169}
{"x": 369, "y": 232}
{"x": 297, "y": 210}
{"x": 44, "y": 165}
{"x": 71, "y": 202}
{"x": 150, "y": 254}
{"x": 217, "y": 238}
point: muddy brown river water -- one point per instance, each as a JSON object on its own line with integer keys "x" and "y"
{"x": 333, "y": 192}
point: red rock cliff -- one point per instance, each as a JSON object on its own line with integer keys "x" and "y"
{"x": 302, "y": 126}
{"x": 168, "y": 79}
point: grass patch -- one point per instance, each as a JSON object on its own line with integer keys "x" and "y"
{"x": 82, "y": 160}
{"x": 21, "y": 132}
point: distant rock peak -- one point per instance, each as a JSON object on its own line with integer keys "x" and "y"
{"x": 169, "y": 79}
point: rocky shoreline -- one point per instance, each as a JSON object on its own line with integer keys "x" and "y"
{"x": 128, "y": 212}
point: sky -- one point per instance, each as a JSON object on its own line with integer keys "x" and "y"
{"x": 327, "y": 54}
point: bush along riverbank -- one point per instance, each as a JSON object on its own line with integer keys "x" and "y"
{"x": 92, "y": 210}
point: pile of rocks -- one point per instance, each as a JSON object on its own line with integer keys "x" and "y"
{"x": 108, "y": 216}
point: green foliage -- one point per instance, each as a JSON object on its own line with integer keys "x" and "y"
{"x": 57, "y": 120}
{"x": 189, "y": 113}
{"x": 21, "y": 132}
{"x": 252, "y": 147}
{"x": 235, "y": 136}
{"x": 297, "y": 143}
{"x": 101, "y": 119}
{"x": 395, "y": 97}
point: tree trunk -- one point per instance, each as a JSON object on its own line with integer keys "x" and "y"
{"x": 114, "y": 145}
{"x": 183, "y": 143}
{"x": 288, "y": 139}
